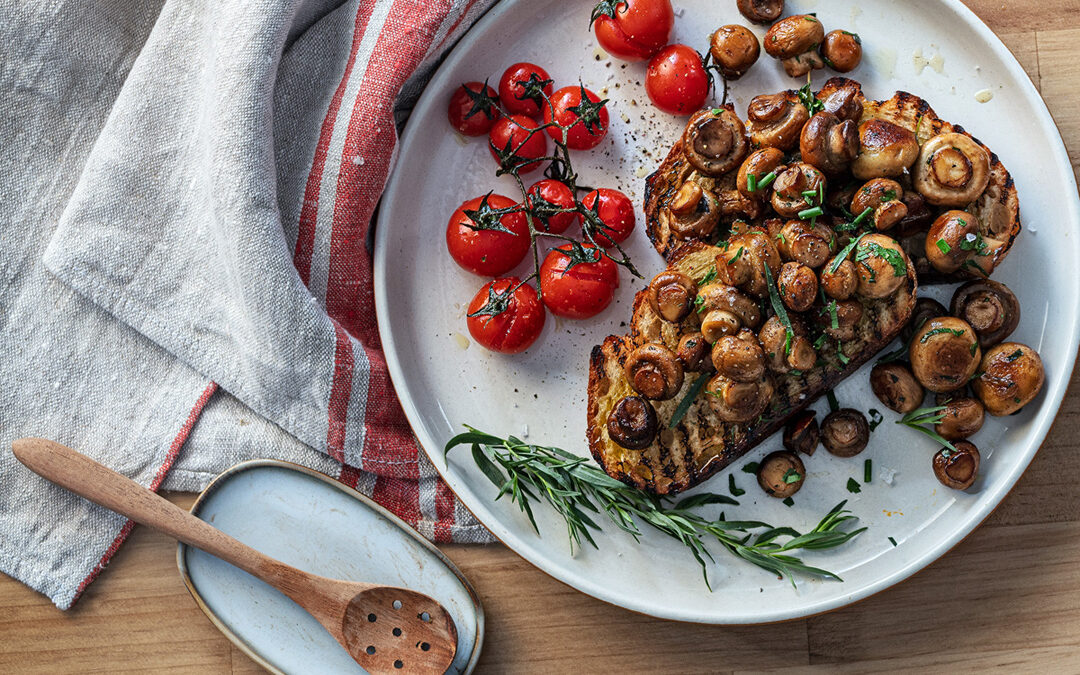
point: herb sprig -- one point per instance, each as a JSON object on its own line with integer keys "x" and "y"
{"x": 919, "y": 419}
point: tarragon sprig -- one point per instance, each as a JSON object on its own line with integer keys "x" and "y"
{"x": 919, "y": 419}
{"x": 578, "y": 491}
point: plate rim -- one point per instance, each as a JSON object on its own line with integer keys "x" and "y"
{"x": 1041, "y": 424}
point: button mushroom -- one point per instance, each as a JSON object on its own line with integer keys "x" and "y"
{"x": 789, "y": 186}
{"x": 734, "y": 49}
{"x": 990, "y": 307}
{"x": 714, "y": 141}
{"x": 925, "y": 309}
{"x": 882, "y": 266}
{"x": 842, "y": 51}
{"x": 784, "y": 355}
{"x": 839, "y": 281}
{"x": 883, "y": 197}
{"x": 776, "y": 120}
{"x": 896, "y": 387}
{"x": 919, "y": 216}
{"x": 654, "y": 371}
{"x": 759, "y": 164}
{"x": 671, "y": 295}
{"x": 845, "y": 101}
{"x": 957, "y": 468}
{"x": 828, "y": 143}
{"x": 885, "y": 150}
{"x": 953, "y": 170}
{"x": 761, "y": 11}
{"x": 1012, "y": 375}
{"x": 802, "y": 242}
{"x": 744, "y": 261}
{"x": 944, "y": 353}
{"x": 801, "y": 433}
{"x": 844, "y": 432}
{"x": 794, "y": 41}
{"x": 725, "y": 310}
{"x": 952, "y": 241}
{"x": 962, "y": 417}
{"x": 738, "y": 402}
{"x": 739, "y": 357}
{"x": 693, "y": 212}
{"x": 797, "y": 286}
{"x": 632, "y": 423}
{"x": 693, "y": 352}
{"x": 847, "y": 312}
{"x": 781, "y": 474}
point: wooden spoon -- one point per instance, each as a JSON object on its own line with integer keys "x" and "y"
{"x": 385, "y": 628}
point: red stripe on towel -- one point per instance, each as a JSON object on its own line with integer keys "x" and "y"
{"x": 340, "y": 392}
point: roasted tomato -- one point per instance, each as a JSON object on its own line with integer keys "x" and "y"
{"x": 472, "y": 109}
{"x": 486, "y": 241}
{"x": 506, "y": 316}
{"x": 578, "y": 281}
{"x": 633, "y": 30}
{"x": 582, "y": 111}
{"x": 546, "y": 198}
{"x": 615, "y": 211}
{"x": 510, "y": 138}
{"x": 676, "y": 80}
{"x": 520, "y": 87}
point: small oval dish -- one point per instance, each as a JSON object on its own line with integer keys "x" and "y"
{"x": 311, "y": 521}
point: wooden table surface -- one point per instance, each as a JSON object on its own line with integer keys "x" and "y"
{"x": 1007, "y": 597}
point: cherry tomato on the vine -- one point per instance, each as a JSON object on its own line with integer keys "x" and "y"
{"x": 581, "y": 110}
{"x": 676, "y": 80}
{"x": 578, "y": 281}
{"x": 615, "y": 210}
{"x": 520, "y": 87}
{"x": 546, "y": 198}
{"x": 472, "y": 108}
{"x": 485, "y": 240}
{"x": 633, "y": 30}
{"x": 510, "y": 138}
{"x": 506, "y": 316}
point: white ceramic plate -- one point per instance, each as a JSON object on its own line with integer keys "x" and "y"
{"x": 420, "y": 295}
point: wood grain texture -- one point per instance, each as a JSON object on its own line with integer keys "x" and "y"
{"x": 1006, "y": 599}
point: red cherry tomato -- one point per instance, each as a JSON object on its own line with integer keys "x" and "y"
{"x": 476, "y": 245}
{"x": 581, "y": 290}
{"x": 589, "y": 121}
{"x": 547, "y": 196}
{"x": 506, "y": 320}
{"x": 513, "y": 132}
{"x": 676, "y": 80}
{"x": 615, "y": 210}
{"x": 518, "y": 83}
{"x": 633, "y": 30}
{"x": 472, "y": 111}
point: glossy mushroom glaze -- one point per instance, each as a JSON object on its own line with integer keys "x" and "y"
{"x": 734, "y": 49}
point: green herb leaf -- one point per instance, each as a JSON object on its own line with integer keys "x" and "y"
{"x": 918, "y": 419}
{"x": 778, "y": 307}
{"x": 892, "y": 256}
{"x": 876, "y": 418}
{"x": 834, "y": 405}
{"x": 944, "y": 246}
{"x": 853, "y": 486}
{"x": 892, "y": 541}
{"x": 792, "y": 476}
{"x": 734, "y": 489}
{"x": 751, "y": 467}
{"x": 688, "y": 400}
{"x": 958, "y": 332}
{"x": 867, "y": 471}
{"x": 844, "y": 253}
{"x": 789, "y": 502}
{"x": 1015, "y": 355}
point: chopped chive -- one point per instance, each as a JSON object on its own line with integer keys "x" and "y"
{"x": 738, "y": 254}
{"x": 751, "y": 182}
{"x": 807, "y": 214}
{"x": 862, "y": 216}
{"x": 834, "y": 405}
{"x": 767, "y": 180}
{"x": 735, "y": 490}
{"x": 866, "y": 471}
{"x": 943, "y": 245}
{"x": 892, "y": 541}
{"x": 853, "y": 486}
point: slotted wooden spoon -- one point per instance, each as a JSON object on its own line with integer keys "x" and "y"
{"x": 385, "y": 628}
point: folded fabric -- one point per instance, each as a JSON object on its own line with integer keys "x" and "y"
{"x": 186, "y": 279}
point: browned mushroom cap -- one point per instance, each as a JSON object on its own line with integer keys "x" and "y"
{"x": 789, "y": 186}
{"x": 759, "y": 163}
{"x": 783, "y": 355}
{"x": 839, "y": 281}
{"x": 654, "y": 371}
{"x": 842, "y": 51}
{"x": 885, "y": 150}
{"x": 693, "y": 212}
{"x": 882, "y": 265}
{"x": 775, "y": 120}
{"x": 714, "y": 141}
{"x": 1012, "y": 375}
{"x": 883, "y": 197}
{"x": 744, "y": 261}
{"x": 761, "y": 11}
{"x": 944, "y": 353}
{"x": 839, "y": 198}
{"x": 896, "y": 387}
{"x": 781, "y": 474}
{"x": 990, "y": 307}
{"x": 739, "y": 357}
{"x": 845, "y": 432}
{"x": 671, "y": 295}
{"x": 845, "y": 102}
{"x": 953, "y": 170}
{"x": 957, "y": 468}
{"x": 632, "y": 423}
{"x": 801, "y": 433}
{"x": 797, "y": 286}
{"x": 725, "y": 310}
{"x": 828, "y": 143}
{"x": 794, "y": 41}
{"x": 952, "y": 241}
{"x": 962, "y": 417}
{"x": 806, "y": 243}
{"x": 693, "y": 352}
{"x": 734, "y": 49}
{"x": 736, "y": 402}
{"x": 925, "y": 309}
{"x": 847, "y": 312}
{"x": 919, "y": 216}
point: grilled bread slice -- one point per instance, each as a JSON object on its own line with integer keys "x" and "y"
{"x": 700, "y": 444}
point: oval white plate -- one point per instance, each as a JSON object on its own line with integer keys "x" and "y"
{"x": 316, "y": 524}
{"x": 420, "y": 296}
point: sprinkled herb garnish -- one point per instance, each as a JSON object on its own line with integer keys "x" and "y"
{"x": 809, "y": 101}
{"x": 876, "y": 418}
{"x": 919, "y": 419}
{"x": 853, "y": 486}
{"x": 688, "y": 400}
{"x": 867, "y": 471}
{"x": 734, "y": 489}
{"x": 789, "y": 502}
{"x": 958, "y": 332}
{"x": 834, "y": 405}
{"x": 792, "y": 476}
{"x": 844, "y": 253}
{"x": 751, "y": 182}
{"x": 778, "y": 307}
{"x": 943, "y": 245}
{"x": 892, "y": 541}
{"x": 1015, "y": 355}
{"x": 709, "y": 276}
{"x": 766, "y": 181}
{"x": 889, "y": 255}
{"x": 751, "y": 467}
